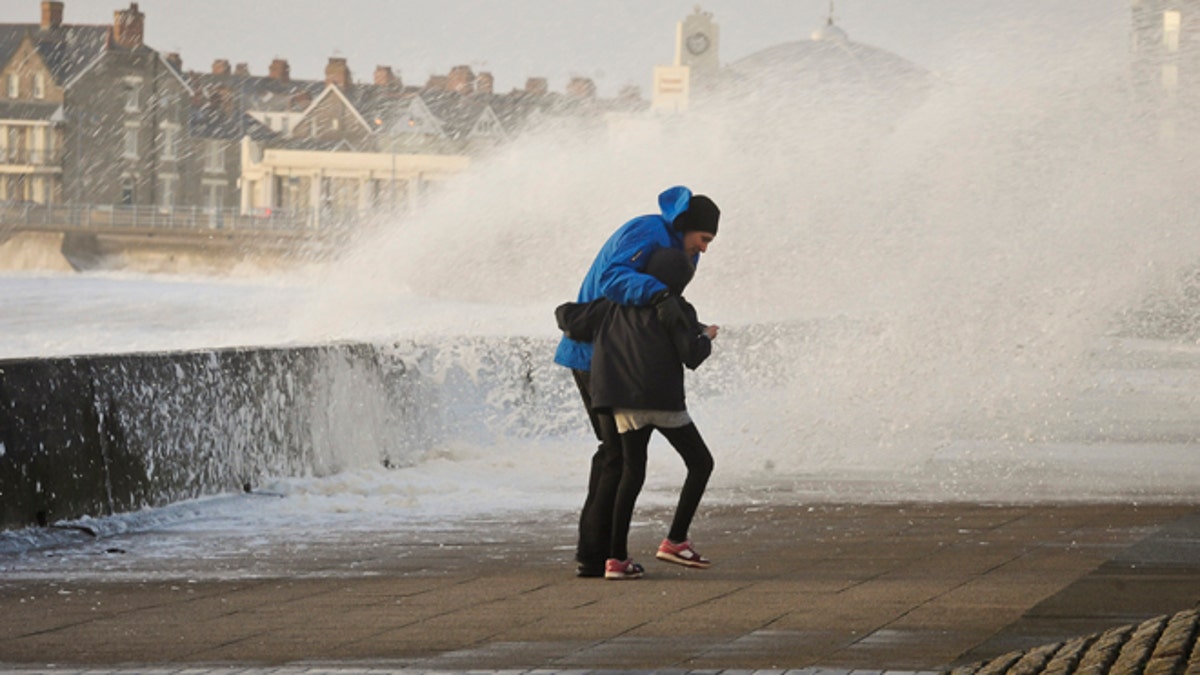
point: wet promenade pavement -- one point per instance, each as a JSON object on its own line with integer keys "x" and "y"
{"x": 815, "y": 588}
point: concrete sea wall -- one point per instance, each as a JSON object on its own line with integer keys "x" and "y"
{"x": 97, "y": 435}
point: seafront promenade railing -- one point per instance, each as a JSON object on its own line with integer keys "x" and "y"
{"x": 29, "y": 216}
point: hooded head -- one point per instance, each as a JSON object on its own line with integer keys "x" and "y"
{"x": 701, "y": 215}
{"x": 672, "y": 267}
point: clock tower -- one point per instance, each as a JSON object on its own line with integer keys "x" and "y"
{"x": 696, "y": 65}
{"x": 696, "y": 41}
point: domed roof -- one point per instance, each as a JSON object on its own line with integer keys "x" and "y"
{"x": 829, "y": 32}
{"x": 828, "y": 62}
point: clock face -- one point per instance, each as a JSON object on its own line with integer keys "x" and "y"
{"x": 697, "y": 43}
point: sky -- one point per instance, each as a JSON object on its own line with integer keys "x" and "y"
{"x": 614, "y": 42}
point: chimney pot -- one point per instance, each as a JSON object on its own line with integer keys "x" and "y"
{"x": 280, "y": 70}
{"x": 537, "y": 85}
{"x": 461, "y": 80}
{"x": 52, "y": 14}
{"x": 337, "y": 73}
{"x": 386, "y": 77}
{"x": 581, "y": 87}
{"x": 129, "y": 26}
{"x": 175, "y": 60}
{"x": 241, "y": 69}
{"x": 485, "y": 84}
{"x": 220, "y": 67}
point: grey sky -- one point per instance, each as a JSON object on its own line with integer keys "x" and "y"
{"x": 615, "y": 42}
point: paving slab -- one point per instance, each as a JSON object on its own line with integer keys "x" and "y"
{"x": 864, "y": 588}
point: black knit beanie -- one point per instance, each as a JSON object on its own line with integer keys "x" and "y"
{"x": 701, "y": 214}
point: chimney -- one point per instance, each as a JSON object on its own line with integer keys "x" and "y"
{"x": 438, "y": 82}
{"x": 461, "y": 80}
{"x": 536, "y": 85}
{"x": 386, "y": 77}
{"x": 337, "y": 73}
{"x": 175, "y": 60}
{"x": 52, "y": 14}
{"x": 485, "y": 84}
{"x": 280, "y": 70}
{"x": 129, "y": 26}
{"x": 581, "y": 87}
{"x": 220, "y": 67}
{"x": 241, "y": 69}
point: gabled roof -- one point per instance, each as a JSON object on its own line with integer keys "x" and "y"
{"x": 458, "y": 113}
{"x": 66, "y": 50}
{"x": 262, "y": 94}
{"x": 487, "y": 125}
{"x": 210, "y": 121}
{"x": 332, "y": 91}
{"x": 515, "y": 109}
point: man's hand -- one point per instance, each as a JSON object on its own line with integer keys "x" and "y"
{"x": 711, "y": 332}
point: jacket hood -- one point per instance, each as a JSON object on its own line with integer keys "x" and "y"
{"x": 674, "y": 201}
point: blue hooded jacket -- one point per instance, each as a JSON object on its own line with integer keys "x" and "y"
{"x": 618, "y": 273}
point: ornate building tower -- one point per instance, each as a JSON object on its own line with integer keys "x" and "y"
{"x": 696, "y": 67}
{"x": 697, "y": 41}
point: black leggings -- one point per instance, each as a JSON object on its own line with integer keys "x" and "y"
{"x": 687, "y": 442}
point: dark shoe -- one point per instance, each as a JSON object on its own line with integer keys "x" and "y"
{"x": 589, "y": 571}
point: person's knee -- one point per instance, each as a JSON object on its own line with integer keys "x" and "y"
{"x": 702, "y": 465}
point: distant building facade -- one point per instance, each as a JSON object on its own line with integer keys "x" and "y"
{"x": 825, "y": 67}
{"x": 1165, "y": 46}
{"x": 362, "y": 146}
{"x": 91, "y": 115}
{"x": 37, "y": 61}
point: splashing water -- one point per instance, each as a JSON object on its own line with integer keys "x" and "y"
{"x": 896, "y": 288}
{"x": 917, "y": 302}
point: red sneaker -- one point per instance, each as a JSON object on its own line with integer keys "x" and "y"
{"x": 622, "y": 569}
{"x": 681, "y": 554}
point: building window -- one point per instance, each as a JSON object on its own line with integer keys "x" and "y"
{"x": 39, "y": 85}
{"x": 133, "y": 94}
{"x": 13, "y": 85}
{"x": 1172, "y": 22}
{"x": 166, "y": 191}
{"x": 215, "y": 197}
{"x": 131, "y": 141}
{"x": 14, "y": 136}
{"x": 127, "y": 192}
{"x": 170, "y": 141}
{"x": 215, "y": 157}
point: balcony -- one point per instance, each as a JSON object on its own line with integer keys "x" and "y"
{"x": 26, "y": 157}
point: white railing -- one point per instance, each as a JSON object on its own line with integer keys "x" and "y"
{"x": 34, "y": 216}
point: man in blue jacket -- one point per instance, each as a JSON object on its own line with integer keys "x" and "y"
{"x": 687, "y": 222}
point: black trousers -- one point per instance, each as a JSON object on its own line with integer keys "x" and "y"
{"x": 687, "y": 442}
{"x": 596, "y": 519}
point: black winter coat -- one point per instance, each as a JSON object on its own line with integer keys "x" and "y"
{"x": 637, "y": 361}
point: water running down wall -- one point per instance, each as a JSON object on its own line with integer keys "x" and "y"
{"x": 97, "y": 435}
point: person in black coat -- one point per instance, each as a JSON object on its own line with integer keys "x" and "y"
{"x": 637, "y": 373}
